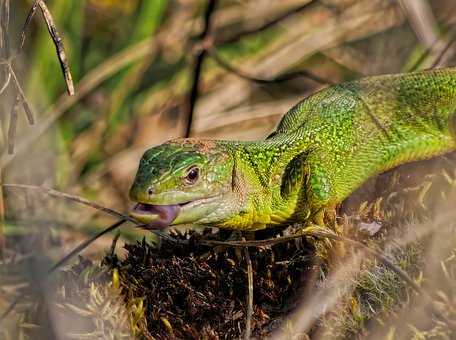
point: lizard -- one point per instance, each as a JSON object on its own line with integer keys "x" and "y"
{"x": 322, "y": 150}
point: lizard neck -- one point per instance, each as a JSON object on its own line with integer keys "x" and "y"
{"x": 250, "y": 187}
{"x": 267, "y": 175}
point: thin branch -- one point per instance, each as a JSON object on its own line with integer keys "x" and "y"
{"x": 442, "y": 53}
{"x": 433, "y": 48}
{"x": 10, "y": 308}
{"x": 279, "y": 79}
{"x": 7, "y": 81}
{"x": 4, "y": 54}
{"x": 421, "y": 18}
{"x": 197, "y": 67}
{"x": 194, "y": 92}
{"x": 85, "y": 244}
{"x": 86, "y": 202}
{"x": 61, "y": 55}
{"x": 13, "y": 126}
{"x": 248, "y": 320}
{"x": 58, "y": 194}
{"x": 4, "y": 26}
{"x": 2, "y": 221}
{"x": 228, "y": 40}
{"x": 424, "y": 55}
{"x": 30, "y": 16}
{"x": 114, "y": 244}
{"x": 23, "y": 98}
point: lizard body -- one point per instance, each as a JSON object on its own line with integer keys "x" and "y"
{"x": 323, "y": 149}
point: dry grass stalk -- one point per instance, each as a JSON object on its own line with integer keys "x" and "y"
{"x": 13, "y": 126}
{"x": 422, "y": 20}
{"x": 22, "y": 98}
{"x": 4, "y": 73}
{"x": 444, "y": 54}
{"x": 275, "y": 80}
{"x": 198, "y": 61}
{"x": 7, "y": 81}
{"x": 248, "y": 321}
{"x": 4, "y": 27}
{"x": 28, "y": 20}
{"x": 83, "y": 201}
{"x": 220, "y": 40}
{"x": 73, "y": 198}
{"x": 55, "y": 36}
{"x": 2, "y": 219}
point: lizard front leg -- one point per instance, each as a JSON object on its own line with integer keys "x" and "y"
{"x": 321, "y": 185}
{"x": 320, "y": 188}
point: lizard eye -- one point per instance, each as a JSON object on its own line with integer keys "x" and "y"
{"x": 192, "y": 175}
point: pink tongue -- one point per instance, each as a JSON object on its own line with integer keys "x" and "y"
{"x": 167, "y": 214}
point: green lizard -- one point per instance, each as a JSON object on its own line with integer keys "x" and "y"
{"x": 323, "y": 149}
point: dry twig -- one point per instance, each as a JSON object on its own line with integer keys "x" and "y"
{"x": 4, "y": 73}
{"x": 438, "y": 60}
{"x": 2, "y": 221}
{"x": 85, "y": 244}
{"x": 422, "y": 20}
{"x": 7, "y": 81}
{"x": 29, "y": 18}
{"x": 12, "y": 126}
{"x": 248, "y": 320}
{"x": 22, "y": 98}
{"x": 73, "y": 198}
{"x": 436, "y": 51}
{"x": 197, "y": 67}
{"x": 254, "y": 30}
{"x": 10, "y": 308}
{"x": 55, "y": 36}
{"x": 85, "y": 202}
{"x": 276, "y": 80}
{"x": 4, "y": 27}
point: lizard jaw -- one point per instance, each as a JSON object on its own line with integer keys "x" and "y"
{"x": 155, "y": 216}
{"x": 160, "y": 216}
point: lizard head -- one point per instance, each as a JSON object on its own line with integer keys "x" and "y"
{"x": 181, "y": 182}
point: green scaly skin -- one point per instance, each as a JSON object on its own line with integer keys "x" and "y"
{"x": 323, "y": 149}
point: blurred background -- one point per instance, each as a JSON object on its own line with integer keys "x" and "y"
{"x": 134, "y": 64}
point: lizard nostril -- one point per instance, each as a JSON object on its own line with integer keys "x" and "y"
{"x": 150, "y": 191}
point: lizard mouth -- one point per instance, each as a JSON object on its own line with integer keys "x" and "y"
{"x": 156, "y": 216}
{"x": 160, "y": 216}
